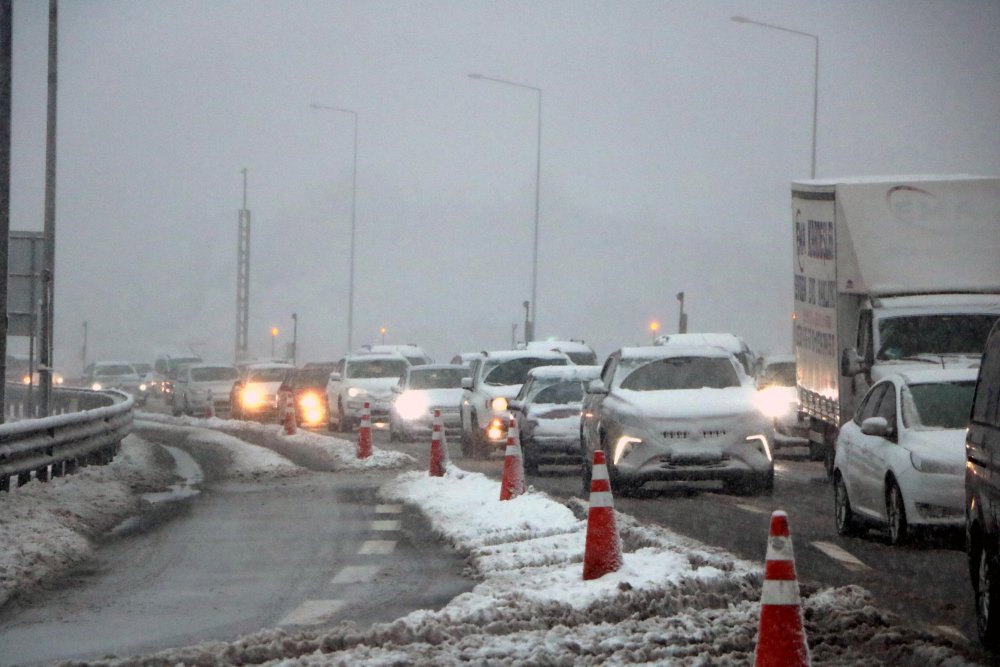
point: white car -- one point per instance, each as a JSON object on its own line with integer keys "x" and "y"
{"x": 578, "y": 351}
{"x": 900, "y": 461}
{"x": 112, "y": 375}
{"x": 255, "y": 394}
{"x": 196, "y": 383}
{"x": 359, "y": 379}
{"x": 492, "y": 381}
{"x": 677, "y": 413}
{"x": 778, "y": 398}
{"x": 421, "y": 391}
{"x": 727, "y": 341}
{"x": 413, "y": 353}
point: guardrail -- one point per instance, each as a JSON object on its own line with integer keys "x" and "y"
{"x": 86, "y": 428}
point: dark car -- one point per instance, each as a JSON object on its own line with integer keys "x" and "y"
{"x": 982, "y": 493}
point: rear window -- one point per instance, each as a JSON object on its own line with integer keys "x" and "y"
{"x": 683, "y": 373}
{"x": 216, "y": 374}
{"x": 515, "y": 371}
{"x": 376, "y": 368}
{"x": 267, "y": 374}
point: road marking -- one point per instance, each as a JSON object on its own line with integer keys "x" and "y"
{"x": 388, "y": 509}
{"x": 386, "y": 524}
{"x": 377, "y": 547}
{"x": 356, "y": 574}
{"x": 843, "y": 557}
{"x": 751, "y": 508}
{"x": 313, "y": 612}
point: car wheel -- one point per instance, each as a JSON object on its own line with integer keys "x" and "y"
{"x": 842, "y": 512}
{"x": 895, "y": 514}
{"x": 986, "y": 584}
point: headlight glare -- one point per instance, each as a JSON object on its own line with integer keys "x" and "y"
{"x": 774, "y": 402}
{"x": 499, "y": 404}
{"x": 252, "y": 397}
{"x": 411, "y": 405}
{"x": 355, "y": 392}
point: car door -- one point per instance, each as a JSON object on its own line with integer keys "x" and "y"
{"x": 874, "y": 452}
{"x": 590, "y": 419}
{"x": 850, "y": 453}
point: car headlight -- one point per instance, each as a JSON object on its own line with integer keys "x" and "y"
{"x": 355, "y": 392}
{"x": 499, "y": 404}
{"x": 762, "y": 444}
{"x": 96, "y": 386}
{"x": 623, "y": 446}
{"x": 312, "y": 408}
{"x": 411, "y": 405}
{"x": 935, "y": 466}
{"x": 143, "y": 387}
{"x": 252, "y": 397}
{"x": 774, "y": 402}
{"x": 497, "y": 430}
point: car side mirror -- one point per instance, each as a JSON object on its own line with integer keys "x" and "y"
{"x": 334, "y": 377}
{"x": 467, "y": 383}
{"x": 596, "y": 387}
{"x": 876, "y": 426}
{"x": 396, "y": 389}
{"x": 516, "y": 405}
{"x": 851, "y": 363}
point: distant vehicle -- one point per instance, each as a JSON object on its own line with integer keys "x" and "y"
{"x": 890, "y": 274}
{"x": 779, "y": 399}
{"x": 308, "y": 387}
{"x": 194, "y": 385}
{"x": 421, "y": 391}
{"x": 677, "y": 413}
{"x": 727, "y": 341}
{"x": 578, "y": 352}
{"x": 165, "y": 369}
{"x": 900, "y": 462}
{"x": 359, "y": 379}
{"x": 547, "y": 410}
{"x": 146, "y": 381}
{"x": 101, "y": 375}
{"x": 982, "y": 493}
{"x": 254, "y": 395}
{"x": 492, "y": 381}
{"x": 414, "y": 354}
{"x": 34, "y": 378}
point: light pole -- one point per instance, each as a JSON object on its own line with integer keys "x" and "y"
{"x": 654, "y": 328}
{"x": 529, "y": 332}
{"x": 274, "y": 335}
{"x": 382, "y": 331}
{"x": 815, "y": 38}
{"x": 295, "y": 337}
{"x": 354, "y": 198}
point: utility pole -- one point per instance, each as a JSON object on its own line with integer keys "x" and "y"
{"x": 295, "y": 337}
{"x": 49, "y": 262}
{"x": 6, "y": 66}
{"x": 243, "y": 278}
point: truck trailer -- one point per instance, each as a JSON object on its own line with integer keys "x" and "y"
{"x": 890, "y": 273}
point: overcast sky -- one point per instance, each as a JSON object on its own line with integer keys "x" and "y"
{"x": 669, "y": 137}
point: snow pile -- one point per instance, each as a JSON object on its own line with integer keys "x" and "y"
{"x": 343, "y": 453}
{"x": 46, "y": 528}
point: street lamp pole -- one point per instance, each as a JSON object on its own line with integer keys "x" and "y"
{"x": 295, "y": 337}
{"x": 529, "y": 332}
{"x": 354, "y": 198}
{"x": 815, "y": 38}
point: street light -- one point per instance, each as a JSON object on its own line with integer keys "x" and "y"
{"x": 274, "y": 335}
{"x": 382, "y": 331}
{"x": 354, "y": 197}
{"x": 654, "y": 327}
{"x": 529, "y": 333}
{"x": 815, "y": 38}
{"x": 295, "y": 336}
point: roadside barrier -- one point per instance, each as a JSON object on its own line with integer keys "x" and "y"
{"x": 512, "y": 484}
{"x": 603, "y": 549}
{"x": 781, "y": 641}
{"x": 365, "y": 433}
{"x": 437, "y": 447}
{"x": 289, "y": 420}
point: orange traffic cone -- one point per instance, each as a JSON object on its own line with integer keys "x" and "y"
{"x": 512, "y": 484}
{"x": 210, "y": 410}
{"x": 289, "y": 413}
{"x": 603, "y": 550}
{"x": 365, "y": 433}
{"x": 781, "y": 640}
{"x": 437, "y": 447}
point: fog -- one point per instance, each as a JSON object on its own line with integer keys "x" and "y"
{"x": 669, "y": 137}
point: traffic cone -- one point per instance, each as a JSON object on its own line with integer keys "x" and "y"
{"x": 603, "y": 550}
{"x": 512, "y": 484}
{"x": 365, "y": 433}
{"x": 210, "y": 410}
{"x": 289, "y": 420}
{"x": 437, "y": 447}
{"x": 781, "y": 641}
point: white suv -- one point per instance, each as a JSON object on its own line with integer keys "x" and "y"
{"x": 361, "y": 378}
{"x": 494, "y": 379}
{"x": 196, "y": 383}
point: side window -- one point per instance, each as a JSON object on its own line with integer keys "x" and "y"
{"x": 474, "y": 369}
{"x": 608, "y": 372}
{"x": 870, "y": 403}
{"x": 986, "y": 405}
{"x": 887, "y": 406}
{"x": 865, "y": 350}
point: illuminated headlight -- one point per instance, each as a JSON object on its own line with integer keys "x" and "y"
{"x": 143, "y": 387}
{"x": 355, "y": 392}
{"x": 497, "y": 430}
{"x": 623, "y": 446}
{"x": 26, "y": 379}
{"x": 761, "y": 442}
{"x": 773, "y": 402}
{"x": 58, "y": 379}
{"x": 499, "y": 404}
{"x": 96, "y": 386}
{"x": 411, "y": 405}
{"x": 935, "y": 466}
{"x": 312, "y": 408}
{"x": 252, "y": 397}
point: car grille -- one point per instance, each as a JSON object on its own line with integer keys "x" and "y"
{"x": 676, "y": 435}
{"x": 668, "y": 463}
{"x": 684, "y": 435}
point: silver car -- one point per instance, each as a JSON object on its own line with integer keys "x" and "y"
{"x": 677, "y": 413}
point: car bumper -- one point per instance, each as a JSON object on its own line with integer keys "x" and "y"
{"x": 697, "y": 462}
{"x": 451, "y": 421}
{"x": 378, "y": 409}
{"x": 933, "y": 499}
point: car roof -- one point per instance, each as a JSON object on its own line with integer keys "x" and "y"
{"x": 438, "y": 367}
{"x": 932, "y": 375}
{"x": 507, "y": 355}
{"x": 674, "y": 350}
{"x": 374, "y": 356}
{"x": 560, "y": 345}
{"x": 211, "y": 366}
{"x": 729, "y": 341}
{"x": 267, "y": 365}
{"x": 581, "y": 373}
{"x": 111, "y": 362}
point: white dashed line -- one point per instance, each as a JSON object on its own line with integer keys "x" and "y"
{"x": 356, "y": 574}
{"x": 313, "y": 612}
{"x": 386, "y": 524}
{"x": 377, "y": 547}
{"x": 843, "y": 557}
{"x": 388, "y": 509}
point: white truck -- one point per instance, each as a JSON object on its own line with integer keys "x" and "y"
{"x": 889, "y": 273}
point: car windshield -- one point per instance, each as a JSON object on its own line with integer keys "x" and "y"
{"x": 910, "y": 336}
{"x": 937, "y": 405}
{"x": 683, "y": 373}
{"x": 437, "y": 378}
{"x": 376, "y": 368}
{"x": 267, "y": 374}
{"x": 214, "y": 374}
{"x": 582, "y": 358}
{"x": 515, "y": 371}
{"x": 780, "y": 374}
{"x": 568, "y": 391}
{"x": 117, "y": 369}
{"x": 311, "y": 377}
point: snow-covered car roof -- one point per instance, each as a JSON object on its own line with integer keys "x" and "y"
{"x": 932, "y": 375}
{"x": 729, "y": 341}
{"x": 581, "y": 373}
{"x": 439, "y": 367}
{"x": 374, "y": 356}
{"x": 507, "y": 355}
{"x": 560, "y": 345}
{"x": 673, "y": 350}
{"x": 262, "y": 365}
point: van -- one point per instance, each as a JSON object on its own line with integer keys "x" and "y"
{"x": 982, "y": 493}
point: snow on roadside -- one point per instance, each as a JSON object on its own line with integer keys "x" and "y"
{"x": 342, "y": 452}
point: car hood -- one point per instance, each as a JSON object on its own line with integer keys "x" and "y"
{"x": 687, "y": 403}
{"x": 945, "y": 445}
